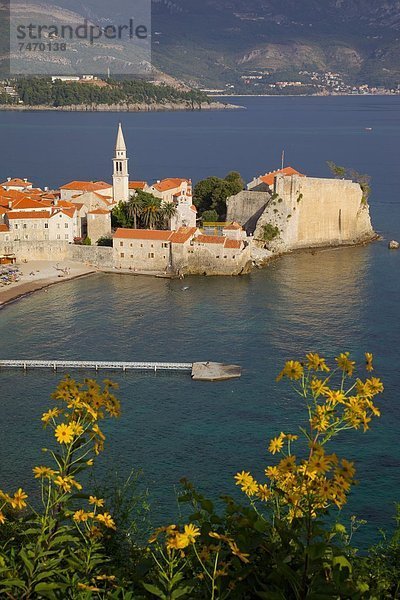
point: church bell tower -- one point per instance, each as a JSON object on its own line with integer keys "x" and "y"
{"x": 120, "y": 175}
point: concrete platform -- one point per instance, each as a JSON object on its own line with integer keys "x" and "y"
{"x": 210, "y": 371}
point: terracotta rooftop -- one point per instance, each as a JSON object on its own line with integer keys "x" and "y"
{"x": 233, "y": 227}
{"x": 86, "y": 186}
{"x": 169, "y": 184}
{"x": 210, "y": 239}
{"x": 237, "y": 244}
{"x": 99, "y": 211}
{"x": 3, "y": 228}
{"x": 15, "y": 214}
{"x": 142, "y": 234}
{"x": 29, "y": 203}
{"x": 183, "y": 235}
{"x": 16, "y": 181}
{"x": 269, "y": 178}
{"x": 137, "y": 185}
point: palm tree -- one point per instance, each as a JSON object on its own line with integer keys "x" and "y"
{"x": 151, "y": 211}
{"x": 169, "y": 211}
{"x": 135, "y": 208}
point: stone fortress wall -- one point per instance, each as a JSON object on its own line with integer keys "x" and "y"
{"x": 308, "y": 212}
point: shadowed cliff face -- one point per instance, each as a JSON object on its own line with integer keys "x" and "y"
{"x": 210, "y": 40}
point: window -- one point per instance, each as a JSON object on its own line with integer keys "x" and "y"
{"x": 165, "y": 245}
{"x": 141, "y": 245}
{"x": 46, "y": 225}
{"x": 131, "y": 245}
{"x": 151, "y": 254}
{"x": 66, "y": 225}
{"x": 151, "y": 246}
{"x": 26, "y": 237}
{"x": 121, "y": 243}
{"x": 122, "y": 254}
{"x": 24, "y": 226}
{"x": 58, "y": 236}
{"x": 131, "y": 255}
{"x": 66, "y": 236}
{"x": 225, "y": 257}
{"x": 58, "y": 225}
{"x": 16, "y": 225}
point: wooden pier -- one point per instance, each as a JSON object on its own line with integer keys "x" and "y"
{"x": 207, "y": 371}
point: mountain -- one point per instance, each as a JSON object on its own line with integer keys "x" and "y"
{"x": 212, "y": 42}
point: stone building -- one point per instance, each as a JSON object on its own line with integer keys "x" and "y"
{"x": 45, "y": 225}
{"x": 265, "y": 183}
{"x": 74, "y": 189}
{"x": 98, "y": 224}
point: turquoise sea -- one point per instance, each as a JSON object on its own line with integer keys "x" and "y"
{"x": 328, "y": 301}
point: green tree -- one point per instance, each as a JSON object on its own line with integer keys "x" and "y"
{"x": 209, "y": 216}
{"x": 169, "y": 211}
{"x": 105, "y": 241}
{"x": 213, "y": 192}
{"x": 135, "y": 208}
{"x": 344, "y": 173}
{"x": 152, "y": 211}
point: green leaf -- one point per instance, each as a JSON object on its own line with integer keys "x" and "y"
{"x": 341, "y": 562}
{"x": 207, "y": 505}
{"x": 153, "y": 589}
{"x": 181, "y": 592}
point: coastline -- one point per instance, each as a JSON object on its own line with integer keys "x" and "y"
{"x": 167, "y": 107}
{"x": 42, "y": 279}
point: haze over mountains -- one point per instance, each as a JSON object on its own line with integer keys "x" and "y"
{"x": 214, "y": 43}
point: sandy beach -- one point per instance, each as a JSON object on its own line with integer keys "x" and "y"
{"x": 38, "y": 274}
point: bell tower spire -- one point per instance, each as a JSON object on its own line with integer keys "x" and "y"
{"x": 120, "y": 174}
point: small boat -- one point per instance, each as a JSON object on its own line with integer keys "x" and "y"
{"x": 368, "y": 129}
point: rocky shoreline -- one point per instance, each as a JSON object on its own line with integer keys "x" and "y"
{"x": 156, "y": 107}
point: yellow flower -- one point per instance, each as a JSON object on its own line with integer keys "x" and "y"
{"x": 179, "y": 541}
{"x": 264, "y": 493}
{"x": 319, "y": 463}
{"x": 191, "y": 532}
{"x": 272, "y": 472}
{"x": 107, "y": 520}
{"x": 64, "y": 483}
{"x": 64, "y": 433}
{"x": 368, "y": 361}
{"x": 374, "y": 385}
{"x": 291, "y": 438}
{"x": 18, "y": 500}
{"x": 2, "y": 518}
{"x": 80, "y": 516}
{"x": 96, "y": 501}
{"x": 51, "y": 414}
{"x": 345, "y": 363}
{"x": 77, "y": 428}
{"x": 275, "y": 445}
{"x": 335, "y": 397}
{"x": 90, "y": 462}
{"x": 287, "y": 465}
{"x": 292, "y": 370}
{"x": 243, "y": 478}
{"x": 316, "y": 363}
{"x": 169, "y": 530}
{"x": 347, "y": 469}
{"x": 97, "y": 431}
{"x": 318, "y": 387}
{"x": 241, "y": 555}
{"x": 88, "y": 588}
{"x": 326, "y": 489}
{"x": 41, "y": 472}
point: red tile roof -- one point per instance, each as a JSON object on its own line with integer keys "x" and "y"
{"x": 142, "y": 234}
{"x": 233, "y": 227}
{"x": 86, "y": 186}
{"x": 29, "y": 203}
{"x": 233, "y": 244}
{"x": 169, "y": 184}
{"x": 269, "y": 178}
{"x": 137, "y": 185}
{"x": 16, "y": 181}
{"x": 3, "y": 228}
{"x": 194, "y": 208}
{"x": 99, "y": 211}
{"x": 210, "y": 239}
{"x": 28, "y": 215}
{"x": 183, "y": 235}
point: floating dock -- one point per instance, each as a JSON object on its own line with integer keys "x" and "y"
{"x": 205, "y": 371}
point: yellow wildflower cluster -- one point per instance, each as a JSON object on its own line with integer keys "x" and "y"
{"x": 16, "y": 502}
{"x": 304, "y": 486}
{"x": 89, "y": 519}
{"x": 175, "y": 539}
